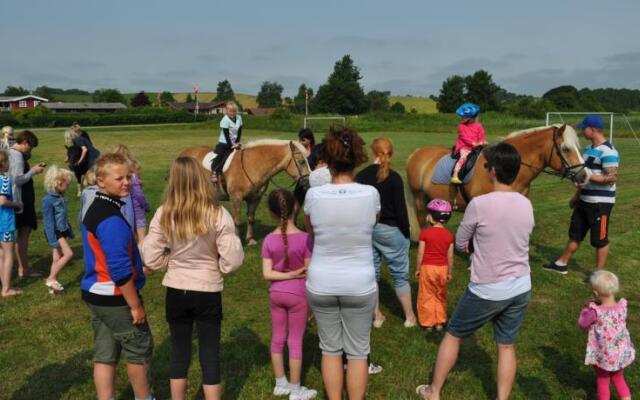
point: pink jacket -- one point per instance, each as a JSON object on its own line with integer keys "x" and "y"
{"x": 195, "y": 264}
{"x": 468, "y": 135}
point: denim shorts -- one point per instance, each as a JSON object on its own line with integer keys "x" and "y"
{"x": 472, "y": 312}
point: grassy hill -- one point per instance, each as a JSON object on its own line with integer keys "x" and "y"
{"x": 423, "y": 105}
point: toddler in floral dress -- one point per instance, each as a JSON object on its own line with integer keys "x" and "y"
{"x": 609, "y": 347}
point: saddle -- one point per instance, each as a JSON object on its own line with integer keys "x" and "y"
{"x": 210, "y": 159}
{"x": 444, "y": 167}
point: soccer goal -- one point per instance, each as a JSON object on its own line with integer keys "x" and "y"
{"x": 318, "y": 123}
{"x": 617, "y": 121}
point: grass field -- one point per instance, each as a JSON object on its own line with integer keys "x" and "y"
{"x": 423, "y": 105}
{"x": 46, "y": 341}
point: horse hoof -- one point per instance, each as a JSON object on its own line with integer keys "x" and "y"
{"x": 252, "y": 242}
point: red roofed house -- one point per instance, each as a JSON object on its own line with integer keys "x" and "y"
{"x": 12, "y": 103}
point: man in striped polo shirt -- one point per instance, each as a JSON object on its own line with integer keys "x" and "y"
{"x": 593, "y": 202}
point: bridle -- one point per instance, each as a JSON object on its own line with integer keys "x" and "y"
{"x": 300, "y": 163}
{"x": 568, "y": 170}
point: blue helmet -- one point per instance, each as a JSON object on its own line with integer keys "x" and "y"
{"x": 468, "y": 110}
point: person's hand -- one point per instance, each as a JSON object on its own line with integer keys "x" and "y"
{"x": 298, "y": 273}
{"x": 573, "y": 202}
{"x": 38, "y": 169}
{"x": 586, "y": 181}
{"x": 235, "y": 145}
{"x": 138, "y": 315}
{"x": 19, "y": 206}
{"x": 465, "y": 249}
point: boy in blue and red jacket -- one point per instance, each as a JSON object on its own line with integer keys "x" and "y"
{"x": 111, "y": 281}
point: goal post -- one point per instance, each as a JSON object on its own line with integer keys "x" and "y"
{"x": 619, "y": 121}
{"x": 335, "y": 118}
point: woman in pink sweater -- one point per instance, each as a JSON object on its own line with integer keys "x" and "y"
{"x": 198, "y": 238}
{"x": 498, "y": 225}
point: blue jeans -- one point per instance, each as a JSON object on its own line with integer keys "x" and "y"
{"x": 390, "y": 243}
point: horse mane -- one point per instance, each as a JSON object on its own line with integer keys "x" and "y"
{"x": 273, "y": 142}
{"x": 570, "y": 137}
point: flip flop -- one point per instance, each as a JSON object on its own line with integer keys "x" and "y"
{"x": 12, "y": 292}
{"x": 424, "y": 391}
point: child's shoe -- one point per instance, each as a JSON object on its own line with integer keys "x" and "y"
{"x": 281, "y": 390}
{"x": 302, "y": 393}
{"x": 55, "y": 287}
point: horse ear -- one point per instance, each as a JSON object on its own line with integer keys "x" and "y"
{"x": 559, "y": 132}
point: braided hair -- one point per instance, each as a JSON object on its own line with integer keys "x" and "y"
{"x": 281, "y": 204}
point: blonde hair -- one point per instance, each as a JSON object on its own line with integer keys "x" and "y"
{"x": 383, "y": 150}
{"x": 134, "y": 165}
{"x": 605, "y": 282}
{"x": 89, "y": 178}
{"x": 231, "y": 104}
{"x": 69, "y": 137}
{"x": 55, "y": 175}
{"x": 7, "y": 132}
{"x": 123, "y": 150}
{"x": 4, "y": 159}
{"x": 189, "y": 205}
{"x": 104, "y": 162}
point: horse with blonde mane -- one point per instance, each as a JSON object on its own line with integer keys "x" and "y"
{"x": 247, "y": 173}
{"x": 556, "y": 147}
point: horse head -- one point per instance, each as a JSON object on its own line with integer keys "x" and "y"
{"x": 566, "y": 158}
{"x": 297, "y": 166}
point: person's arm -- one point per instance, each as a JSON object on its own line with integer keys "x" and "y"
{"x": 228, "y": 243}
{"x": 83, "y": 154}
{"x": 227, "y": 136}
{"x": 587, "y": 318}
{"x": 450, "y": 262}
{"x": 481, "y": 138}
{"x": 138, "y": 195}
{"x": 16, "y": 169}
{"x": 270, "y": 274}
{"x": 419, "y": 256}
{"x": 154, "y": 245}
{"x": 48, "y": 219}
{"x": 130, "y": 294}
{"x": 467, "y": 228}
{"x": 239, "y": 135}
{"x": 609, "y": 176}
{"x": 4, "y": 199}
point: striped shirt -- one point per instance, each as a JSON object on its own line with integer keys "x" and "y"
{"x": 596, "y": 159}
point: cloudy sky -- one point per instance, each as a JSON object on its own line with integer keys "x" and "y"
{"x": 406, "y": 47}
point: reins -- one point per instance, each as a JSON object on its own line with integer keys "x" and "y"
{"x": 298, "y": 168}
{"x": 568, "y": 170}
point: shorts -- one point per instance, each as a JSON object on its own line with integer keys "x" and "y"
{"x": 593, "y": 218}
{"x": 8, "y": 237}
{"x": 27, "y": 218}
{"x": 344, "y": 323}
{"x": 114, "y": 333}
{"x": 472, "y": 312}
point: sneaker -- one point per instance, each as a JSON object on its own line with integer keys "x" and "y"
{"x": 304, "y": 393}
{"x": 556, "y": 268}
{"x": 281, "y": 390}
{"x": 410, "y": 324}
{"x": 374, "y": 369}
{"x": 439, "y": 328}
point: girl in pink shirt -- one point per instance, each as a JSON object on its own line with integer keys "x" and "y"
{"x": 286, "y": 253}
{"x": 609, "y": 347}
{"x": 470, "y": 135}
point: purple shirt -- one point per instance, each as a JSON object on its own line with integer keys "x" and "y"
{"x": 499, "y": 223}
{"x": 140, "y": 204}
{"x": 299, "y": 249}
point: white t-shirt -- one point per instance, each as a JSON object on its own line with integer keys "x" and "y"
{"x": 233, "y": 127}
{"x": 343, "y": 217}
{"x": 319, "y": 176}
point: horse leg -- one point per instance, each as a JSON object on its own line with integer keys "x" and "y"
{"x": 252, "y": 205}
{"x": 420, "y": 204}
{"x": 236, "y": 206}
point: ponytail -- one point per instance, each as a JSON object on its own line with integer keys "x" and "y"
{"x": 383, "y": 150}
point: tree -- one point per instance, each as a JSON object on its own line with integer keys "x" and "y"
{"x": 378, "y": 100}
{"x": 15, "y": 91}
{"x": 342, "y": 93}
{"x": 299, "y": 105}
{"x": 483, "y": 91}
{"x": 44, "y": 91}
{"x": 166, "y": 97}
{"x": 270, "y": 95}
{"x": 189, "y": 99}
{"x": 564, "y": 98}
{"x": 224, "y": 92}
{"x": 108, "y": 96}
{"x": 140, "y": 100}
{"x": 288, "y": 103}
{"x": 398, "y": 107}
{"x": 451, "y": 94}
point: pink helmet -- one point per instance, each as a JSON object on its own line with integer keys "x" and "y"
{"x": 440, "y": 210}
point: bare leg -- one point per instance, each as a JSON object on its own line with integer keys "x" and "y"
{"x": 333, "y": 376}
{"x": 61, "y": 256}
{"x": 407, "y": 307}
{"x": 506, "y": 369}
{"x": 377, "y": 313}
{"x": 178, "y": 388}
{"x": 212, "y": 392}
{"x": 295, "y": 371}
{"x": 138, "y": 378}
{"x": 357, "y": 378}
{"x": 104, "y": 377}
{"x": 447, "y": 357}
{"x": 569, "y": 251}
{"x": 6, "y": 269}
{"x": 22, "y": 249}
{"x": 277, "y": 362}
{"x": 601, "y": 256}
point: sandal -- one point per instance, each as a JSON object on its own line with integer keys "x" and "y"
{"x": 424, "y": 391}
{"x": 377, "y": 323}
{"x": 12, "y": 292}
{"x": 55, "y": 287}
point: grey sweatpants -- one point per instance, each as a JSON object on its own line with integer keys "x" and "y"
{"x": 344, "y": 323}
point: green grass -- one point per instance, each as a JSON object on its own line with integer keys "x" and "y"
{"x": 423, "y": 105}
{"x": 46, "y": 342}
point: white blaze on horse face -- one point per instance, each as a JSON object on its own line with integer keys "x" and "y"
{"x": 570, "y": 139}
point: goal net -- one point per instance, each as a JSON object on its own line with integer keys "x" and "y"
{"x": 615, "y": 124}
{"x": 322, "y": 124}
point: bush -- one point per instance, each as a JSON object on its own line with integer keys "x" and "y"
{"x": 281, "y": 113}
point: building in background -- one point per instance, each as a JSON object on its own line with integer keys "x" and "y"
{"x": 14, "y": 103}
{"x": 84, "y": 107}
{"x": 217, "y": 107}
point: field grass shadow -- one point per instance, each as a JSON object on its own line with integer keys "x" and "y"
{"x": 243, "y": 352}
{"x": 54, "y": 380}
{"x": 546, "y": 253}
{"x": 566, "y": 369}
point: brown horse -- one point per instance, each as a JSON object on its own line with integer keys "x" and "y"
{"x": 250, "y": 170}
{"x": 556, "y": 147}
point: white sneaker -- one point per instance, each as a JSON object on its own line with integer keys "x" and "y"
{"x": 281, "y": 390}
{"x": 374, "y": 369}
{"x": 304, "y": 393}
{"x": 410, "y": 324}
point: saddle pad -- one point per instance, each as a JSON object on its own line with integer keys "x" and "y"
{"x": 210, "y": 156}
{"x": 444, "y": 168}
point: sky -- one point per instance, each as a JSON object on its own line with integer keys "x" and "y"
{"x": 405, "y": 47}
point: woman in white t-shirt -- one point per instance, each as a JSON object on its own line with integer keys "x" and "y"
{"x": 341, "y": 285}
{"x": 230, "y": 133}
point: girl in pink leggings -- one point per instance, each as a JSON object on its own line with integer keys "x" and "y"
{"x": 286, "y": 253}
{"x": 609, "y": 347}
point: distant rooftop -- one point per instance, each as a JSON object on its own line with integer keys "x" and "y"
{"x": 84, "y": 106}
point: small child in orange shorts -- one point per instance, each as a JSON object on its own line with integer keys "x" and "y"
{"x": 435, "y": 266}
